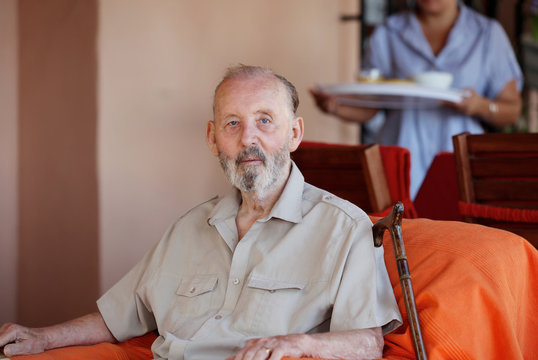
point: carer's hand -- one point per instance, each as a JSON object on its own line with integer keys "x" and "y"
{"x": 273, "y": 348}
{"x": 470, "y": 105}
{"x": 325, "y": 102}
{"x": 20, "y": 340}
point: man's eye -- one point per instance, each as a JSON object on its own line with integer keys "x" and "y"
{"x": 265, "y": 121}
{"x": 233, "y": 122}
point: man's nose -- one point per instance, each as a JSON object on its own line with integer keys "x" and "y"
{"x": 249, "y": 134}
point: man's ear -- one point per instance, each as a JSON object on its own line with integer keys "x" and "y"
{"x": 211, "y": 138}
{"x": 297, "y": 131}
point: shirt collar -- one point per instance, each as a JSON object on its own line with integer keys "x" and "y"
{"x": 288, "y": 206}
{"x": 226, "y": 207}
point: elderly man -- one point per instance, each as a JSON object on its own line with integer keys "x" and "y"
{"x": 275, "y": 268}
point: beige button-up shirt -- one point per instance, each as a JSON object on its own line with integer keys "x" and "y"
{"x": 309, "y": 266}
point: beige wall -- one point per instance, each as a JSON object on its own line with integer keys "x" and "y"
{"x": 158, "y": 65}
{"x": 8, "y": 159}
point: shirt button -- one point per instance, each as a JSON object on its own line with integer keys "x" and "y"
{"x": 236, "y": 281}
{"x": 218, "y": 317}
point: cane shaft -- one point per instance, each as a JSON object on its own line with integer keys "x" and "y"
{"x": 411, "y": 310}
{"x": 392, "y": 223}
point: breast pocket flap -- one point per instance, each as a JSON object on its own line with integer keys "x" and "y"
{"x": 195, "y": 285}
{"x": 273, "y": 284}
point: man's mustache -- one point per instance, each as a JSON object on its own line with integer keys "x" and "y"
{"x": 251, "y": 151}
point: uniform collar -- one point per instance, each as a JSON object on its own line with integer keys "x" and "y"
{"x": 408, "y": 27}
{"x": 288, "y": 206}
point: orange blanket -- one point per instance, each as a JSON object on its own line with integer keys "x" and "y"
{"x": 476, "y": 292}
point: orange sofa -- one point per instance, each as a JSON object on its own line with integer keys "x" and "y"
{"x": 476, "y": 292}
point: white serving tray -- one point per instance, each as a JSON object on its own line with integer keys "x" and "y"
{"x": 391, "y": 95}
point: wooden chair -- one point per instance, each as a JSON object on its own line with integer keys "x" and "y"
{"x": 354, "y": 173}
{"x": 498, "y": 181}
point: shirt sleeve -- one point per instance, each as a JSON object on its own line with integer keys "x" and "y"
{"x": 122, "y": 309}
{"x": 125, "y": 307}
{"x": 365, "y": 298}
{"x": 502, "y": 65}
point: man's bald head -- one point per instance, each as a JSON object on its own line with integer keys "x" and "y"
{"x": 248, "y": 72}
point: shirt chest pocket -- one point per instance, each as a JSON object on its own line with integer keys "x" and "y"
{"x": 272, "y": 285}
{"x": 270, "y": 306}
{"x": 195, "y": 295}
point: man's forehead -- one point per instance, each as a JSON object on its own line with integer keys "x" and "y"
{"x": 257, "y": 89}
{"x": 261, "y": 82}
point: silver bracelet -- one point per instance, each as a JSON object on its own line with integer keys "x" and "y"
{"x": 493, "y": 108}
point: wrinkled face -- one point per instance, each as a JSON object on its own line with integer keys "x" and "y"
{"x": 253, "y": 132}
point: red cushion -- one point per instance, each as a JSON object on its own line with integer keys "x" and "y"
{"x": 438, "y": 195}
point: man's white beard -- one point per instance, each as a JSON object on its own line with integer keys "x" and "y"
{"x": 255, "y": 178}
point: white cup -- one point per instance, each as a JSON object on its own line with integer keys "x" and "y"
{"x": 434, "y": 79}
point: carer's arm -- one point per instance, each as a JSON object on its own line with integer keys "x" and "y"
{"x": 351, "y": 344}
{"x": 499, "y": 112}
{"x": 86, "y": 330}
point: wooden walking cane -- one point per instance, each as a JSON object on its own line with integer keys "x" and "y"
{"x": 392, "y": 223}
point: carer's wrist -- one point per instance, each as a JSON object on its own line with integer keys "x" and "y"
{"x": 332, "y": 106}
{"x": 493, "y": 108}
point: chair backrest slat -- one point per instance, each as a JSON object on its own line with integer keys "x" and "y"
{"x": 505, "y": 191}
{"x": 504, "y": 143}
{"x": 349, "y": 179}
{"x": 506, "y": 166}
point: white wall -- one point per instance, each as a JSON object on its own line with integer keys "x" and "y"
{"x": 159, "y": 62}
{"x": 8, "y": 159}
